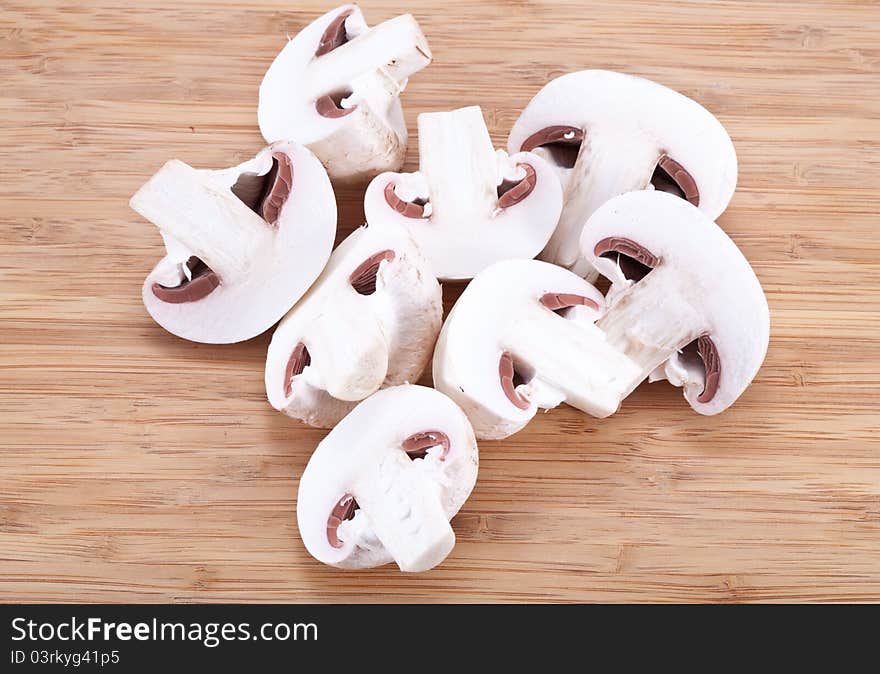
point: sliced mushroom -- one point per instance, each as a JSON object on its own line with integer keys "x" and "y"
{"x": 335, "y": 88}
{"x": 242, "y": 244}
{"x": 522, "y": 337}
{"x": 383, "y": 485}
{"x": 370, "y": 320}
{"x": 468, "y": 206}
{"x": 608, "y": 133}
{"x": 698, "y": 317}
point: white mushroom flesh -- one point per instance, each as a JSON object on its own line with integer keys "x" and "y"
{"x": 468, "y": 206}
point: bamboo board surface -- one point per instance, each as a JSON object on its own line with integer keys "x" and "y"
{"x": 138, "y": 467}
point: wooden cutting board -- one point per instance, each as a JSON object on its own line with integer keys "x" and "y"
{"x": 139, "y": 467}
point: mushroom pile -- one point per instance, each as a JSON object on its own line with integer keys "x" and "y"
{"x": 605, "y": 174}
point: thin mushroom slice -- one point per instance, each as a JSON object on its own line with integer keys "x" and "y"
{"x": 522, "y": 337}
{"x": 242, "y": 244}
{"x": 384, "y": 483}
{"x": 468, "y": 206}
{"x": 335, "y": 87}
{"x": 370, "y": 320}
{"x": 699, "y": 316}
{"x": 608, "y": 133}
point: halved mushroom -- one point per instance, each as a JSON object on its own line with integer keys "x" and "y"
{"x": 684, "y": 304}
{"x": 335, "y": 88}
{"x": 609, "y": 133}
{"x": 383, "y": 485}
{"x": 370, "y": 320}
{"x": 243, "y": 244}
{"x": 522, "y": 337}
{"x": 468, "y": 206}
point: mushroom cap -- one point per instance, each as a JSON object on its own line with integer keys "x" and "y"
{"x": 370, "y": 320}
{"x": 637, "y": 122}
{"x": 501, "y": 312}
{"x": 462, "y": 238}
{"x": 698, "y": 264}
{"x": 359, "y": 81}
{"x": 363, "y": 456}
{"x": 268, "y": 273}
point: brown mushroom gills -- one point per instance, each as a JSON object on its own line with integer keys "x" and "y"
{"x": 510, "y": 379}
{"x": 670, "y": 176}
{"x": 708, "y": 353}
{"x": 266, "y": 194}
{"x": 511, "y": 192}
{"x": 408, "y": 209}
{"x": 636, "y": 262}
{"x": 344, "y": 510}
{"x": 557, "y": 302}
{"x": 203, "y": 282}
{"x": 334, "y": 35}
{"x": 562, "y": 143}
{"x": 330, "y": 105}
{"x": 363, "y": 278}
{"x": 418, "y": 444}
{"x": 299, "y": 360}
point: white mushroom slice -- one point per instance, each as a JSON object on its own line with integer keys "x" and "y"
{"x": 385, "y": 482}
{"x": 522, "y": 337}
{"x": 335, "y": 88}
{"x": 243, "y": 244}
{"x": 683, "y": 297}
{"x": 370, "y": 320}
{"x": 468, "y": 206}
{"x": 609, "y": 133}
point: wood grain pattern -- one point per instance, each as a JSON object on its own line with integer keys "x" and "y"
{"x": 138, "y": 467}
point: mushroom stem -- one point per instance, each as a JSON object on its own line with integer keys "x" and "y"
{"x": 396, "y": 46}
{"x": 227, "y": 235}
{"x": 348, "y": 369}
{"x": 608, "y": 164}
{"x": 404, "y": 508}
{"x": 459, "y": 163}
{"x": 649, "y": 321}
{"x": 573, "y": 361}
{"x": 367, "y": 141}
